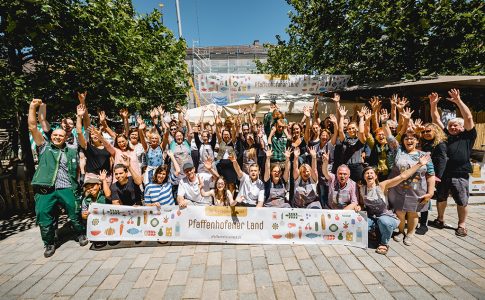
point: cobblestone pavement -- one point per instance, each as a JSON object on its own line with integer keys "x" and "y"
{"x": 439, "y": 265}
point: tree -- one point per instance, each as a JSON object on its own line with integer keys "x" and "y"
{"x": 381, "y": 40}
{"x": 50, "y": 49}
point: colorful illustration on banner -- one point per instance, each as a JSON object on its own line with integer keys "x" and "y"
{"x": 340, "y": 236}
{"x": 149, "y": 233}
{"x": 333, "y": 227}
{"x": 337, "y": 217}
{"x": 179, "y": 213}
{"x": 322, "y": 219}
{"x": 275, "y": 226}
{"x": 133, "y": 231}
{"x": 154, "y": 222}
{"x": 316, "y": 226}
{"x": 95, "y": 232}
{"x": 109, "y": 231}
{"x": 349, "y": 236}
{"x": 291, "y": 225}
{"x": 177, "y": 229}
{"x": 346, "y": 225}
{"x": 95, "y": 222}
{"x": 145, "y": 217}
{"x": 138, "y": 221}
{"x": 113, "y": 220}
{"x": 292, "y": 215}
{"x": 352, "y": 221}
{"x": 289, "y": 235}
{"x": 165, "y": 219}
{"x": 358, "y": 234}
{"x": 329, "y": 237}
{"x": 130, "y": 221}
{"x": 308, "y": 226}
{"x": 121, "y": 227}
{"x": 312, "y": 235}
{"x": 277, "y": 236}
{"x": 160, "y": 232}
{"x": 299, "y": 232}
{"x": 168, "y": 231}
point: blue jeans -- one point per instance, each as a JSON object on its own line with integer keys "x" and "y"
{"x": 386, "y": 225}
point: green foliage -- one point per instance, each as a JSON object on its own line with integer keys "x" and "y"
{"x": 50, "y": 49}
{"x": 381, "y": 40}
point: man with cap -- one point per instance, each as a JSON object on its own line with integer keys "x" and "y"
{"x": 54, "y": 181}
{"x": 188, "y": 189}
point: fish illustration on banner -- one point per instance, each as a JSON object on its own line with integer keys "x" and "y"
{"x": 226, "y": 225}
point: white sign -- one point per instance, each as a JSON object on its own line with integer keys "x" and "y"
{"x": 239, "y": 225}
{"x": 220, "y": 83}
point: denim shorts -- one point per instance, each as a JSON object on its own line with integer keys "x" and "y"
{"x": 458, "y": 188}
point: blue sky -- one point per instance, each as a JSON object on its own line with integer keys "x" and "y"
{"x": 224, "y": 22}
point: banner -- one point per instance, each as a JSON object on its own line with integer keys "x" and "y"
{"x": 239, "y": 225}
{"x": 220, "y": 83}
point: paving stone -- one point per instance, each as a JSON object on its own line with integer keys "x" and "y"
{"x": 352, "y": 262}
{"x": 26, "y": 272}
{"x": 91, "y": 267}
{"x": 246, "y": 283}
{"x": 264, "y": 293}
{"x": 131, "y": 275}
{"x": 136, "y": 294}
{"x": 459, "y": 292}
{"x": 74, "y": 285}
{"x": 244, "y": 267}
{"x": 426, "y": 283}
{"x": 243, "y": 254}
{"x": 98, "y": 277}
{"x": 110, "y": 263}
{"x": 179, "y": 278}
{"x": 284, "y": 290}
{"x": 165, "y": 272}
{"x": 213, "y": 273}
{"x": 403, "y": 264}
{"x": 317, "y": 284}
{"x": 23, "y": 285}
{"x": 35, "y": 290}
{"x": 257, "y": 251}
{"x": 273, "y": 258}
{"x": 303, "y": 292}
{"x": 436, "y": 276}
{"x": 259, "y": 263}
{"x": 59, "y": 284}
{"x": 84, "y": 292}
{"x": 110, "y": 282}
{"x": 366, "y": 277}
{"x": 371, "y": 264}
{"x": 183, "y": 263}
{"x": 145, "y": 279}
{"x": 229, "y": 282}
{"x": 332, "y": 278}
{"x": 122, "y": 266}
{"x": 248, "y": 296}
{"x": 262, "y": 278}
{"x": 353, "y": 283}
{"x": 400, "y": 276}
{"x": 339, "y": 265}
{"x": 156, "y": 290}
{"x": 122, "y": 290}
{"x": 100, "y": 294}
{"x": 402, "y": 295}
{"x": 278, "y": 273}
{"x": 363, "y": 296}
{"x": 418, "y": 292}
{"x": 211, "y": 289}
{"x": 389, "y": 283}
{"x": 341, "y": 292}
{"x": 297, "y": 277}
{"x": 229, "y": 295}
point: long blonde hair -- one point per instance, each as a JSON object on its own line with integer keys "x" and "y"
{"x": 439, "y": 134}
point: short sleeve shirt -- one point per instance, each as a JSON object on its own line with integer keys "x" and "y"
{"x": 339, "y": 197}
{"x": 252, "y": 191}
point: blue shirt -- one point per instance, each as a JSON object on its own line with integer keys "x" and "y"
{"x": 161, "y": 193}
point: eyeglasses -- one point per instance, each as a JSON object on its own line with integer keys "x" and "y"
{"x": 410, "y": 138}
{"x": 173, "y": 129}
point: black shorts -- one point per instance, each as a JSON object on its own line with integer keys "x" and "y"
{"x": 458, "y": 188}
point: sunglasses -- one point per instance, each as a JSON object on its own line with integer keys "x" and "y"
{"x": 173, "y": 129}
{"x": 427, "y": 131}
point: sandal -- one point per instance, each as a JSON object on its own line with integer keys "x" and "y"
{"x": 398, "y": 237}
{"x": 461, "y": 231}
{"x": 382, "y": 249}
{"x": 408, "y": 240}
{"x": 437, "y": 224}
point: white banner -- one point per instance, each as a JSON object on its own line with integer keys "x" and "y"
{"x": 217, "y": 224}
{"x": 219, "y": 83}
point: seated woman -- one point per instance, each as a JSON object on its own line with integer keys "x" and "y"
{"x": 275, "y": 186}
{"x": 306, "y": 179}
{"x": 159, "y": 192}
{"x": 221, "y": 195}
{"x": 373, "y": 199}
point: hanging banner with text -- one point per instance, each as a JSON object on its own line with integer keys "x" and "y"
{"x": 221, "y": 83}
{"x": 240, "y": 225}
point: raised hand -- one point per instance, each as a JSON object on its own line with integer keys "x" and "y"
{"x": 124, "y": 113}
{"x": 333, "y": 118}
{"x": 82, "y": 97}
{"x": 423, "y": 160}
{"x": 367, "y": 113}
{"x": 401, "y": 103}
{"x": 336, "y": 97}
{"x": 126, "y": 160}
{"x": 141, "y": 123}
{"x": 406, "y": 113}
{"x": 394, "y": 99}
{"x": 287, "y": 153}
{"x": 36, "y": 103}
{"x": 325, "y": 156}
{"x": 434, "y": 98}
{"x": 103, "y": 174}
{"x": 361, "y": 112}
{"x": 102, "y": 117}
{"x": 418, "y": 124}
{"x": 269, "y": 153}
{"x": 455, "y": 95}
{"x": 384, "y": 115}
{"x": 375, "y": 103}
{"x": 312, "y": 151}
{"x": 296, "y": 152}
{"x": 232, "y": 157}
{"x": 306, "y": 111}
{"x": 81, "y": 110}
{"x": 208, "y": 162}
{"x": 93, "y": 130}
{"x": 343, "y": 111}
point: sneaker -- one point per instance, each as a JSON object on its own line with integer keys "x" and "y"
{"x": 408, "y": 240}
{"x": 49, "y": 250}
{"x": 437, "y": 224}
{"x": 83, "y": 241}
{"x": 113, "y": 243}
{"x": 422, "y": 229}
{"x": 398, "y": 237}
{"x": 461, "y": 231}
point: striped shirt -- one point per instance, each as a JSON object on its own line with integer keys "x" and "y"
{"x": 161, "y": 193}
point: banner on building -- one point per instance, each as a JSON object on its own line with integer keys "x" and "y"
{"x": 220, "y": 83}
{"x": 240, "y": 225}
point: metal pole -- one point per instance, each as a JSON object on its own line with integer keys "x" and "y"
{"x": 179, "y": 21}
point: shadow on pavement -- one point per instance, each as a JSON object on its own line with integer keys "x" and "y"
{"x": 16, "y": 223}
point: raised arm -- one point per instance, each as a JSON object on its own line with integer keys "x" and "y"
{"x": 387, "y": 184}
{"x": 175, "y": 164}
{"x": 137, "y": 179}
{"x": 400, "y": 104}
{"x": 313, "y": 154}
{"x": 406, "y": 117}
{"x": 106, "y": 144}
{"x": 464, "y": 110}
{"x": 392, "y": 142}
{"x": 267, "y": 166}
{"x": 336, "y": 100}
{"x": 105, "y": 184}
{"x": 394, "y": 107}
{"x": 124, "y": 117}
{"x": 80, "y": 112}
{"x": 42, "y": 117}
{"x": 141, "y": 132}
{"x": 32, "y": 121}
{"x": 236, "y": 166}
{"x": 325, "y": 166}
{"x": 296, "y": 155}
{"x": 82, "y": 100}
{"x": 316, "y": 115}
{"x": 306, "y": 113}
{"x": 433, "y": 104}
{"x": 104, "y": 124}
{"x": 375, "y": 105}
{"x": 360, "y": 132}
{"x": 334, "y": 121}
{"x": 342, "y": 114}
{"x": 286, "y": 174}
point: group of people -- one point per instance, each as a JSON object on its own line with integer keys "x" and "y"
{"x": 383, "y": 162}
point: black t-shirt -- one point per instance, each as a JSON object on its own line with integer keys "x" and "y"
{"x": 97, "y": 159}
{"x": 129, "y": 194}
{"x": 459, "y": 152}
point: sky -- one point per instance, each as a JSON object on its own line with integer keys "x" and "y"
{"x": 223, "y": 22}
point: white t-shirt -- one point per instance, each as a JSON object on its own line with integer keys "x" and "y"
{"x": 251, "y": 192}
{"x": 207, "y": 184}
{"x": 190, "y": 191}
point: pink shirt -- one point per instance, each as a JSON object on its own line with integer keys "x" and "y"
{"x": 339, "y": 197}
{"x": 133, "y": 161}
